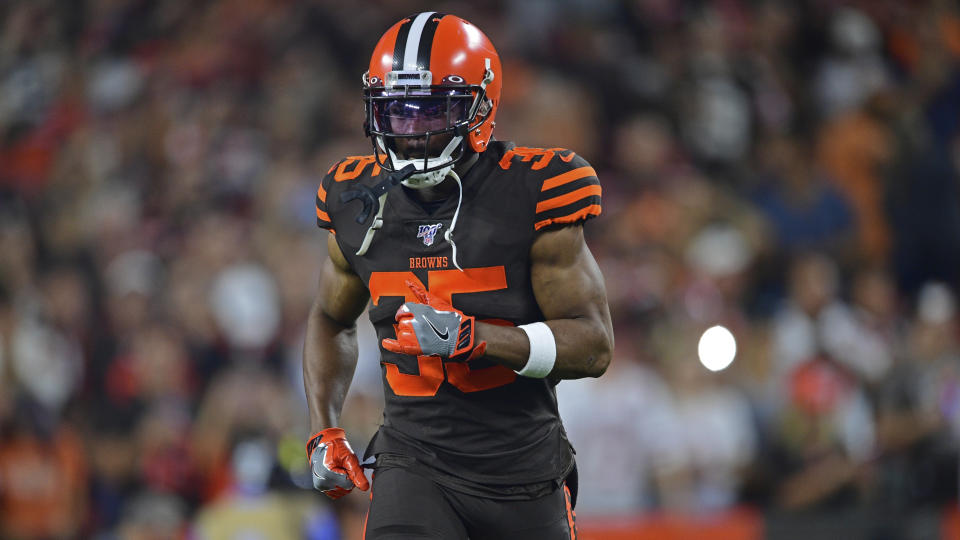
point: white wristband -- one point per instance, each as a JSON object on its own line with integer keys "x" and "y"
{"x": 543, "y": 351}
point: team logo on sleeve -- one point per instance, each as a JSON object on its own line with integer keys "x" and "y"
{"x": 428, "y": 233}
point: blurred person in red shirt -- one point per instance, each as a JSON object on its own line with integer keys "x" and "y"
{"x": 43, "y": 476}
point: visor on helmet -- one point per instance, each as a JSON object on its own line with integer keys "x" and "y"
{"x": 433, "y": 119}
{"x": 416, "y": 116}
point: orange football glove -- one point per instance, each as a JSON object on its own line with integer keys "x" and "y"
{"x": 432, "y": 327}
{"x": 335, "y": 468}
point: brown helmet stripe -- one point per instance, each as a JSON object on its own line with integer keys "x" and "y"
{"x": 401, "y": 44}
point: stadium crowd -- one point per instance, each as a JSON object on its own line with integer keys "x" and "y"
{"x": 789, "y": 170}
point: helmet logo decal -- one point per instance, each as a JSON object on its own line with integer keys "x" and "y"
{"x": 409, "y": 78}
{"x": 428, "y": 233}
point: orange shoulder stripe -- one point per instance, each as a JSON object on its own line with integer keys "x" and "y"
{"x": 568, "y": 177}
{"x": 573, "y": 196}
{"x": 359, "y": 163}
{"x": 323, "y": 215}
{"x": 322, "y": 194}
{"x": 593, "y": 209}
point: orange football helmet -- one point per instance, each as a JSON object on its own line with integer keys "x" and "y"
{"x": 431, "y": 74}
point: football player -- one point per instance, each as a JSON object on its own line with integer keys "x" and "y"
{"x": 483, "y": 295}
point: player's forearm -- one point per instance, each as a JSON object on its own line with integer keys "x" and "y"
{"x": 583, "y": 347}
{"x": 329, "y": 360}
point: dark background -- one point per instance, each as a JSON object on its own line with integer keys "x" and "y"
{"x": 788, "y": 170}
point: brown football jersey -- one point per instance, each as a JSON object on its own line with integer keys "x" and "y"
{"x": 479, "y": 421}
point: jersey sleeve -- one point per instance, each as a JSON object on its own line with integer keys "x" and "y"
{"x": 323, "y": 215}
{"x": 571, "y": 195}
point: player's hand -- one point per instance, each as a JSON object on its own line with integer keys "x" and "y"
{"x": 334, "y": 466}
{"x": 432, "y": 327}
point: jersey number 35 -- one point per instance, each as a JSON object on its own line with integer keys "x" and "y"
{"x": 433, "y": 370}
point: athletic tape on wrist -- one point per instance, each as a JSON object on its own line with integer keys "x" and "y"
{"x": 543, "y": 351}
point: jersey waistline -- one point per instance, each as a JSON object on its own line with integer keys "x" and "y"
{"x": 503, "y": 492}
{"x": 393, "y": 449}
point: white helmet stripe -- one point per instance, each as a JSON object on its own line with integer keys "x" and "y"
{"x": 413, "y": 40}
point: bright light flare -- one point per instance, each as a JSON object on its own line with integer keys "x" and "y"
{"x": 717, "y": 348}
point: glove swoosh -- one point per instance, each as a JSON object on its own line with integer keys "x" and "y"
{"x": 444, "y": 335}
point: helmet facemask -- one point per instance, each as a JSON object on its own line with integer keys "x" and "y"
{"x": 423, "y": 116}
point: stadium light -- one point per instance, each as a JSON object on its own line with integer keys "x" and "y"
{"x": 717, "y": 348}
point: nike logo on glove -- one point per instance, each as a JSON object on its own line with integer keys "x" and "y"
{"x": 436, "y": 330}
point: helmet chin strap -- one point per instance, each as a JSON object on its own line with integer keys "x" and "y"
{"x": 431, "y": 178}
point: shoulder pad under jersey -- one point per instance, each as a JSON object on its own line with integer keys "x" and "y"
{"x": 348, "y": 169}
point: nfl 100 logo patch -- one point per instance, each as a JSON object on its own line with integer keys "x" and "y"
{"x": 428, "y": 233}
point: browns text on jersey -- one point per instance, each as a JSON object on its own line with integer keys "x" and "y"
{"x": 429, "y": 262}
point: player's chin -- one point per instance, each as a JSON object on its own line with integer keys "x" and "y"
{"x": 416, "y": 148}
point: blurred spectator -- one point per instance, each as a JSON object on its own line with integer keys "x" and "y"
{"x": 853, "y": 69}
{"x": 152, "y": 516}
{"x": 854, "y": 147}
{"x": 43, "y": 475}
{"x": 919, "y": 416}
{"x": 879, "y": 328}
{"x": 244, "y": 303}
{"x": 719, "y": 258}
{"x": 718, "y": 438}
{"x": 114, "y": 478}
{"x": 252, "y": 510}
{"x": 45, "y": 363}
{"x": 804, "y": 210}
{"x": 715, "y": 113}
{"x": 825, "y": 439}
{"x": 925, "y": 210}
{"x": 627, "y": 438}
{"x": 816, "y": 321}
